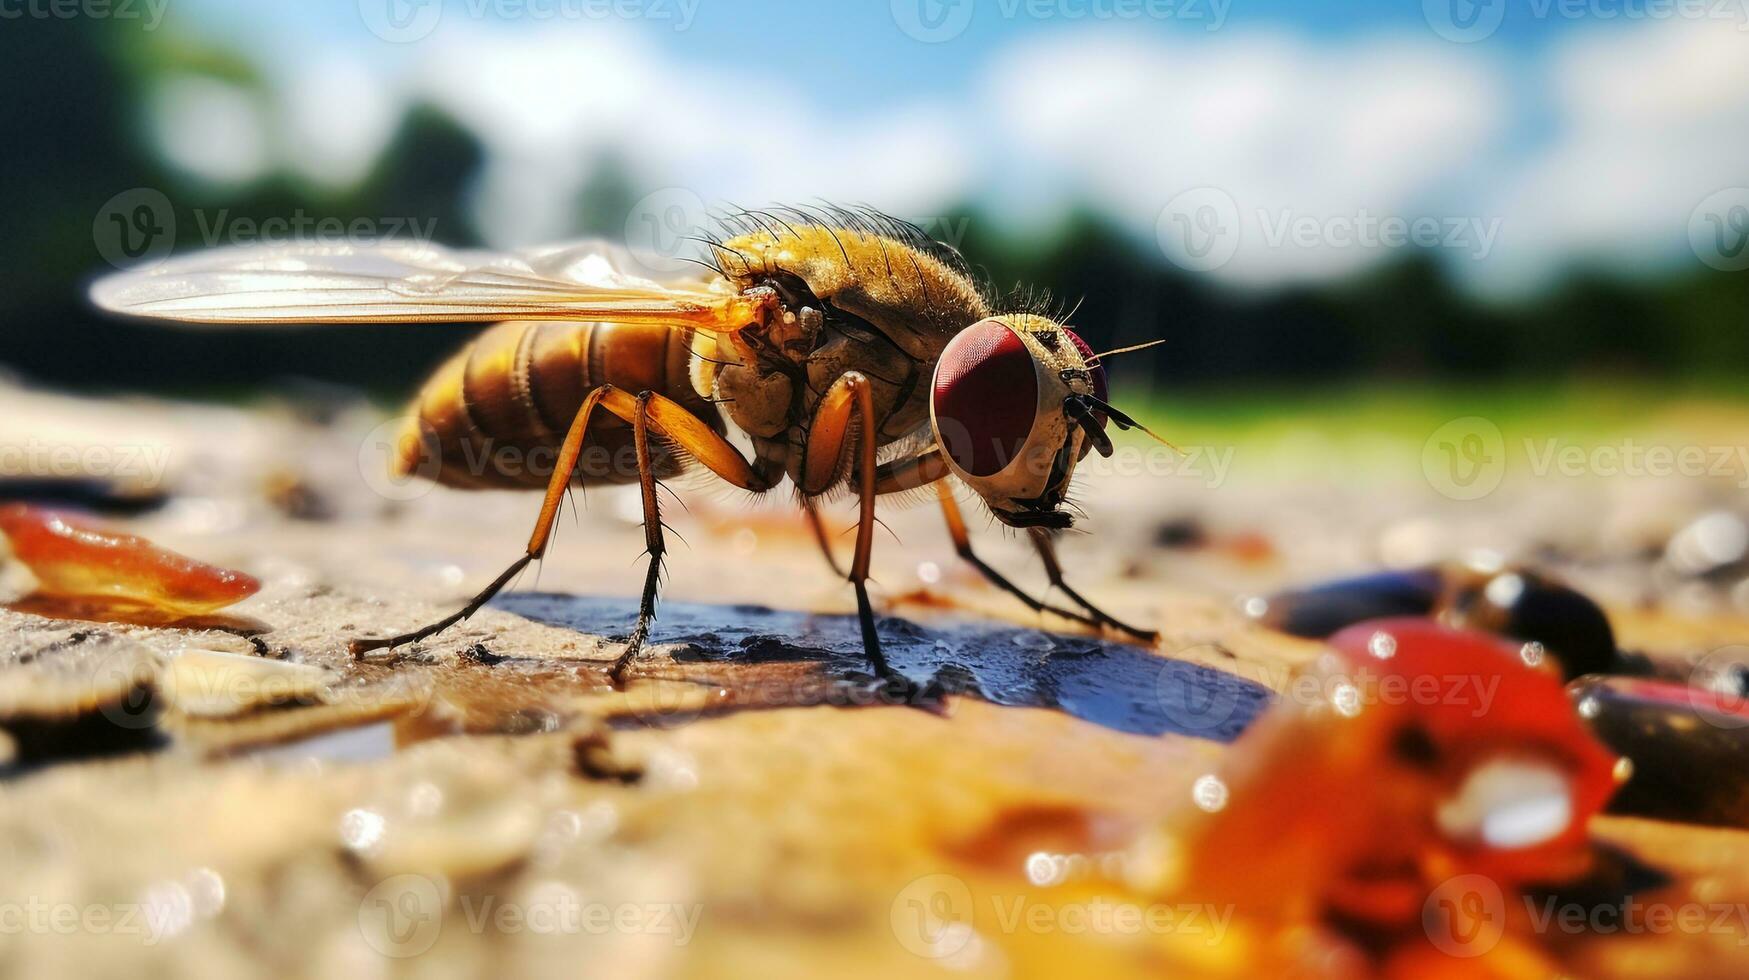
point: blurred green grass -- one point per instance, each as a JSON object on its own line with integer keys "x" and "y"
{"x": 1581, "y": 411}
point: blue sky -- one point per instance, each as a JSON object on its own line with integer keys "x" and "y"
{"x": 1314, "y": 137}
{"x": 854, "y": 47}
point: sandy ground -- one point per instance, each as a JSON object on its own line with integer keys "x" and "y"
{"x": 258, "y": 802}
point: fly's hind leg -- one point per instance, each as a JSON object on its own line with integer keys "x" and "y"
{"x": 564, "y": 468}
{"x": 685, "y": 430}
{"x": 1047, "y": 553}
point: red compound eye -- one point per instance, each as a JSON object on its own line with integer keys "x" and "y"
{"x": 985, "y": 396}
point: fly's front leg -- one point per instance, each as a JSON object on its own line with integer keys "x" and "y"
{"x": 1047, "y": 553}
{"x": 962, "y": 544}
{"x": 850, "y": 398}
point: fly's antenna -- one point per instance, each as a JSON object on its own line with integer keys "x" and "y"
{"x": 1126, "y": 350}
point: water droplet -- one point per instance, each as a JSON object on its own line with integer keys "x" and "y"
{"x": 1382, "y": 645}
{"x": 1209, "y": 793}
{"x": 362, "y": 830}
{"x": 1041, "y": 868}
{"x": 1346, "y": 698}
{"x": 1034, "y": 640}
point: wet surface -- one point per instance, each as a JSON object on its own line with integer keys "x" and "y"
{"x": 1120, "y": 686}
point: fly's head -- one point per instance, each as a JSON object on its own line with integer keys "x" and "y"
{"x": 1016, "y": 402}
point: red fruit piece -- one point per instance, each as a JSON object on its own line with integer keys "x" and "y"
{"x": 72, "y": 558}
{"x": 1503, "y": 733}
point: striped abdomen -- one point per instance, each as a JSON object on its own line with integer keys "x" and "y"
{"x": 493, "y": 417}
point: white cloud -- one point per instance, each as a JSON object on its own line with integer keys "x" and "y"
{"x": 1649, "y": 122}
{"x": 338, "y": 116}
{"x": 551, "y": 104}
{"x": 209, "y": 129}
{"x": 1285, "y": 127}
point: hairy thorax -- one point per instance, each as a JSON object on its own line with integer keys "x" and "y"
{"x": 848, "y": 300}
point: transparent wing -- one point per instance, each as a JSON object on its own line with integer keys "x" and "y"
{"x": 414, "y": 282}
